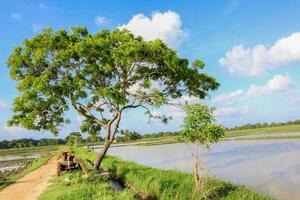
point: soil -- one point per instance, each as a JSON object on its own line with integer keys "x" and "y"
{"x": 31, "y": 186}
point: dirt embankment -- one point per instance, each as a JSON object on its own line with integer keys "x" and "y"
{"x": 30, "y": 186}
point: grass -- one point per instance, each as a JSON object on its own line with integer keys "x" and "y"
{"x": 147, "y": 182}
{"x": 71, "y": 186}
{"x": 36, "y": 164}
{"x": 266, "y": 130}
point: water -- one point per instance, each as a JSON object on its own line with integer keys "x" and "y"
{"x": 15, "y": 156}
{"x": 269, "y": 166}
{"x": 267, "y": 135}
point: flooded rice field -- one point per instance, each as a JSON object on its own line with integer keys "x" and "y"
{"x": 269, "y": 166}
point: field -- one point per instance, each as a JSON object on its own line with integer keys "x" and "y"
{"x": 233, "y": 133}
{"x": 17, "y": 158}
{"x": 44, "y": 150}
{"x": 267, "y": 130}
{"x": 140, "y": 182}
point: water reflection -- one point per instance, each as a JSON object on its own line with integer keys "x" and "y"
{"x": 15, "y": 157}
{"x": 270, "y": 166}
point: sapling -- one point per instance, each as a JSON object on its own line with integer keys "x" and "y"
{"x": 200, "y": 128}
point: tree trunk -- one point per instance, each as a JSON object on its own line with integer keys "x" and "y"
{"x": 197, "y": 167}
{"x": 110, "y": 136}
{"x": 101, "y": 155}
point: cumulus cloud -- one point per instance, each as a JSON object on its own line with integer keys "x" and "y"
{"x": 257, "y": 60}
{"x": 165, "y": 26}
{"x": 101, "y": 21}
{"x": 232, "y": 111}
{"x": 279, "y": 83}
{"x": 228, "y": 97}
{"x": 15, "y": 16}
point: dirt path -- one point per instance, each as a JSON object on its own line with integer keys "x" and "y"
{"x": 30, "y": 186}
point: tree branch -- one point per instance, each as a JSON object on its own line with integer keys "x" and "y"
{"x": 87, "y": 113}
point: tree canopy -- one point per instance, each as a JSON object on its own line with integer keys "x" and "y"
{"x": 199, "y": 125}
{"x": 128, "y": 136}
{"x": 74, "y": 138}
{"x": 99, "y": 75}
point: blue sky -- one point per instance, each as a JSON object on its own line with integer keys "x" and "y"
{"x": 251, "y": 47}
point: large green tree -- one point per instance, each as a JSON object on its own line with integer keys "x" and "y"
{"x": 100, "y": 75}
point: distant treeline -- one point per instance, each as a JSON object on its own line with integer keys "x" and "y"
{"x": 29, "y": 142}
{"x": 263, "y": 125}
{"x": 124, "y": 136}
{"x": 160, "y": 134}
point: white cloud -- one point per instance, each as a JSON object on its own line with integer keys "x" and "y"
{"x": 279, "y": 83}
{"x": 15, "y": 130}
{"x": 256, "y": 61}
{"x": 176, "y": 112}
{"x": 15, "y": 16}
{"x": 37, "y": 28}
{"x": 165, "y": 26}
{"x": 228, "y": 97}
{"x": 232, "y": 111}
{"x": 100, "y": 21}
{"x": 186, "y": 99}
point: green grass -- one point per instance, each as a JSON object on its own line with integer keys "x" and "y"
{"x": 71, "y": 186}
{"x": 36, "y": 164}
{"x": 147, "y": 182}
{"x": 267, "y": 130}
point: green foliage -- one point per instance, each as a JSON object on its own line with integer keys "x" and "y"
{"x": 97, "y": 74}
{"x": 160, "y": 134}
{"x": 198, "y": 64}
{"x": 199, "y": 125}
{"x": 29, "y": 142}
{"x": 74, "y": 138}
{"x": 128, "y": 136}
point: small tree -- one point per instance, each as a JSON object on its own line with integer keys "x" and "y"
{"x": 100, "y": 76}
{"x": 92, "y": 140}
{"x": 128, "y": 136}
{"x": 74, "y": 138}
{"x": 199, "y": 128}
